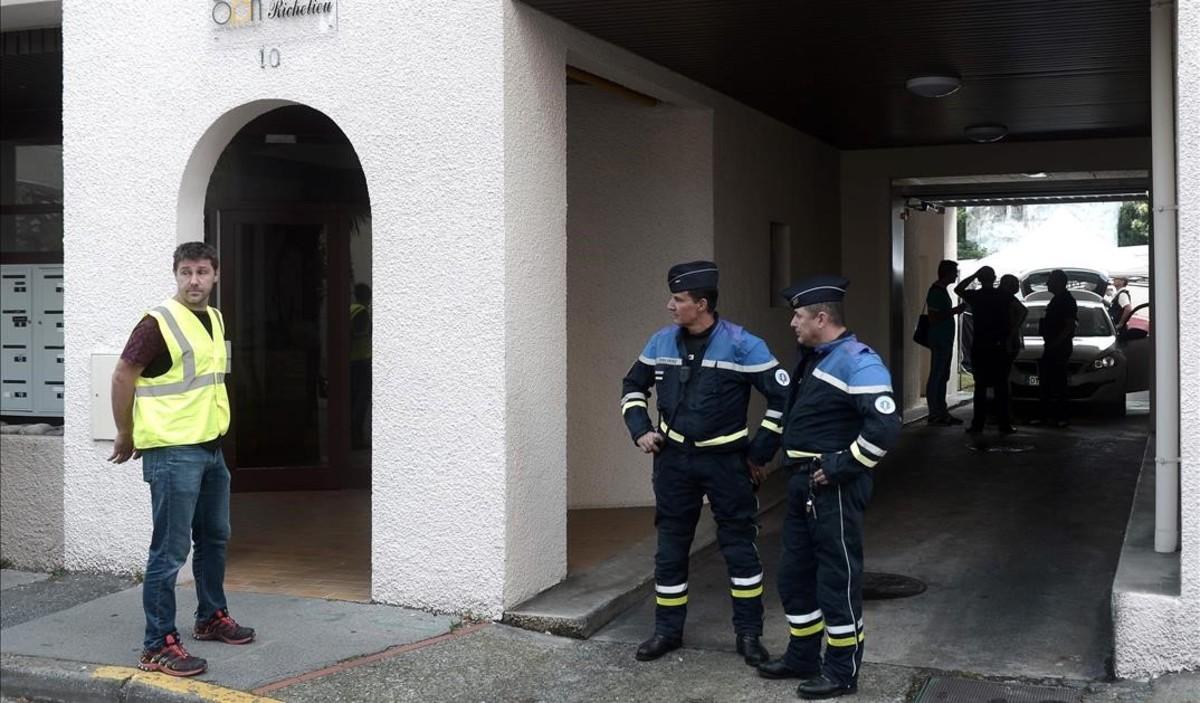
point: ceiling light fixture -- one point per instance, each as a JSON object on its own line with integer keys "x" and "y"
{"x": 933, "y": 86}
{"x": 984, "y": 133}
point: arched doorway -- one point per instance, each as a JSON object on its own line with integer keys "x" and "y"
{"x": 288, "y": 209}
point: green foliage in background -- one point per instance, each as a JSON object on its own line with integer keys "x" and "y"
{"x": 1133, "y": 223}
{"x": 968, "y": 248}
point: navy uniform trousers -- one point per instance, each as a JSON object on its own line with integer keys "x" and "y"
{"x": 681, "y": 480}
{"x": 820, "y": 575}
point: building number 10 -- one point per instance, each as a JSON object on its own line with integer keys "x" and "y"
{"x": 268, "y": 58}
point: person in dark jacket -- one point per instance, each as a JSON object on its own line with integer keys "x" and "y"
{"x": 989, "y": 359}
{"x": 703, "y": 368}
{"x": 841, "y": 422}
{"x": 1058, "y": 333}
{"x": 941, "y": 312}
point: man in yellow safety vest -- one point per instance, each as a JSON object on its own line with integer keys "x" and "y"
{"x": 171, "y": 409}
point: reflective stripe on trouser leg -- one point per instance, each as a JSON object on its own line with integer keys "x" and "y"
{"x": 798, "y": 581}
{"x": 839, "y": 576}
{"x": 677, "y": 503}
{"x": 734, "y": 507}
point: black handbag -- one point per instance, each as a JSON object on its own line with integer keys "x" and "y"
{"x": 921, "y": 334}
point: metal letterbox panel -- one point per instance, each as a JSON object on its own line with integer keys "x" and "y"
{"x": 48, "y": 296}
{"x": 16, "y": 291}
{"x": 15, "y": 396}
{"x": 49, "y": 397}
{"x": 16, "y": 363}
{"x": 16, "y": 326}
{"x": 48, "y": 332}
{"x": 51, "y": 363}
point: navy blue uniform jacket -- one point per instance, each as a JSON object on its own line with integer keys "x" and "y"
{"x": 841, "y": 409}
{"x": 707, "y": 413}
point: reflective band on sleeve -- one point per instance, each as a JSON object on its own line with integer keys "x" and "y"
{"x": 807, "y": 630}
{"x": 671, "y": 590}
{"x": 868, "y": 390}
{"x": 749, "y": 581}
{"x": 774, "y": 414}
{"x": 772, "y": 426}
{"x": 632, "y": 396}
{"x": 726, "y": 439}
{"x": 632, "y": 404}
{"x": 730, "y": 366}
{"x": 682, "y": 600}
{"x": 747, "y": 593}
{"x": 862, "y": 442}
{"x": 801, "y": 454}
{"x": 863, "y": 458}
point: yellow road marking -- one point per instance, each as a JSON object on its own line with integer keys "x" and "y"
{"x": 177, "y": 684}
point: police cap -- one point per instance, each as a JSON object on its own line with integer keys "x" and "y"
{"x": 816, "y": 289}
{"x": 694, "y": 275}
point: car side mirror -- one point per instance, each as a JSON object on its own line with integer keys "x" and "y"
{"x": 1130, "y": 334}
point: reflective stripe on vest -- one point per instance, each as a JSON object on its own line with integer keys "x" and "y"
{"x": 188, "y": 404}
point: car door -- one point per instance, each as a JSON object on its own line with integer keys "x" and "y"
{"x": 1134, "y": 341}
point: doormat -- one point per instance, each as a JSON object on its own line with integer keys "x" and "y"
{"x": 945, "y": 690}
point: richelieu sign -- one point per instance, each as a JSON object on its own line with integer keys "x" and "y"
{"x": 321, "y": 15}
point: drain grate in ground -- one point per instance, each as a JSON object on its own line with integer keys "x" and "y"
{"x": 944, "y": 690}
{"x": 880, "y": 586}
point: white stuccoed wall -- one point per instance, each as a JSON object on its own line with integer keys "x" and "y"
{"x": 424, "y": 107}
{"x": 1157, "y": 633}
{"x": 1187, "y": 92}
{"x": 762, "y": 171}
{"x": 639, "y": 197}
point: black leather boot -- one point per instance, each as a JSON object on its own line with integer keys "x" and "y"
{"x": 822, "y": 687}
{"x": 657, "y": 646}
{"x": 776, "y": 669}
{"x": 752, "y": 649}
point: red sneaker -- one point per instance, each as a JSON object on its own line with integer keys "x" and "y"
{"x": 224, "y": 628}
{"x": 172, "y": 659}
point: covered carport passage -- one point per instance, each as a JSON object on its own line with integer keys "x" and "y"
{"x": 1073, "y": 96}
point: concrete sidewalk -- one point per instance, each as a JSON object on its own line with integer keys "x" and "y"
{"x": 316, "y": 650}
{"x": 295, "y": 635}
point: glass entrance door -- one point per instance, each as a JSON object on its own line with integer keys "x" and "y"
{"x": 284, "y": 294}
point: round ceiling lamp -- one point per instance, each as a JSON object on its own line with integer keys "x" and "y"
{"x": 985, "y": 133}
{"x": 933, "y": 86}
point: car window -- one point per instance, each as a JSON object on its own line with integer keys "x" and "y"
{"x": 1093, "y": 322}
{"x": 1076, "y": 280}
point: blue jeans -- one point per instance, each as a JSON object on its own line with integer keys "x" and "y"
{"x": 939, "y": 375}
{"x": 189, "y": 497}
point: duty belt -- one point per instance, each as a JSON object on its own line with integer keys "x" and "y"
{"x": 701, "y": 444}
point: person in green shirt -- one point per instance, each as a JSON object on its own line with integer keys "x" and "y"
{"x": 941, "y": 342}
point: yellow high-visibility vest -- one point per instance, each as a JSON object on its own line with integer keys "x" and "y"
{"x": 188, "y": 404}
{"x": 360, "y": 345}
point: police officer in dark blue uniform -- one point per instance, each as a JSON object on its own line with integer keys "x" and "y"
{"x": 703, "y": 368}
{"x": 840, "y": 423}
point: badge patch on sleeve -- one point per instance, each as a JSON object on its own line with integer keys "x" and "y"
{"x": 782, "y": 377}
{"x": 885, "y": 405}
